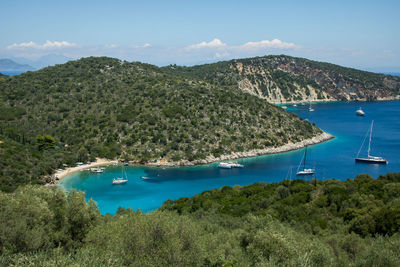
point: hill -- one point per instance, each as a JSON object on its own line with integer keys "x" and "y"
{"x": 9, "y": 65}
{"x": 319, "y": 223}
{"x": 282, "y": 79}
{"x": 104, "y": 107}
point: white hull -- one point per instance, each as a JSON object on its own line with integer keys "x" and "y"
{"x": 306, "y": 172}
{"x": 228, "y": 165}
{"x": 119, "y": 181}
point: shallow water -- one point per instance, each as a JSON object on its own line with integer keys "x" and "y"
{"x": 332, "y": 159}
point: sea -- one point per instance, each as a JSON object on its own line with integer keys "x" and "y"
{"x": 333, "y": 159}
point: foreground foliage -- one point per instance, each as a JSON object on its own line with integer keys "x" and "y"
{"x": 241, "y": 226}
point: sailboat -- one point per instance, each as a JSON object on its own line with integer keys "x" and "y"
{"x": 121, "y": 180}
{"x": 370, "y": 159}
{"x": 304, "y": 171}
{"x": 310, "y": 107}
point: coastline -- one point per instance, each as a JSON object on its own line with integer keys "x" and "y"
{"x": 247, "y": 154}
{"x": 316, "y": 101}
{"x": 60, "y": 174}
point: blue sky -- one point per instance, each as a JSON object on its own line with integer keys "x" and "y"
{"x": 361, "y": 34}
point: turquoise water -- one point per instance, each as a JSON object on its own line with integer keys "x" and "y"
{"x": 332, "y": 159}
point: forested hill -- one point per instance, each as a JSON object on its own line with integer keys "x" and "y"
{"x": 104, "y": 107}
{"x": 281, "y": 79}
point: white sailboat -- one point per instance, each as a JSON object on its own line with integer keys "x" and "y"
{"x": 310, "y": 107}
{"x": 121, "y": 180}
{"x": 369, "y": 158}
{"x": 360, "y": 112}
{"x": 304, "y": 171}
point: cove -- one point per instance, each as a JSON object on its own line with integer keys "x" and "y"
{"x": 332, "y": 159}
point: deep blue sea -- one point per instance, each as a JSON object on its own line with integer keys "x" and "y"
{"x": 12, "y": 73}
{"x": 332, "y": 159}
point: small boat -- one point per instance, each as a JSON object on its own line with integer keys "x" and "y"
{"x": 360, "y": 112}
{"x": 295, "y": 105}
{"x": 145, "y": 177}
{"x": 97, "y": 170}
{"x": 304, "y": 171}
{"x": 310, "y": 108}
{"x": 225, "y": 165}
{"x": 230, "y": 165}
{"x": 369, "y": 158}
{"x": 121, "y": 180}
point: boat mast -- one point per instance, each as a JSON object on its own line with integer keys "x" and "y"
{"x": 370, "y": 134}
{"x": 305, "y": 155}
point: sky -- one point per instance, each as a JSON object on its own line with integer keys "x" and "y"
{"x": 360, "y": 34}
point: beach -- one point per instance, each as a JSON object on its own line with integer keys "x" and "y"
{"x": 59, "y": 174}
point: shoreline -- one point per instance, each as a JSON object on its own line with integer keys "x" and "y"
{"x": 316, "y": 101}
{"x": 62, "y": 173}
{"x": 324, "y": 136}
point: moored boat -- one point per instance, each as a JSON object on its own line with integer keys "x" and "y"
{"x": 369, "y": 158}
{"x": 360, "y": 112}
{"x": 304, "y": 171}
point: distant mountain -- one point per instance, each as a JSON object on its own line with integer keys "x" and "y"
{"x": 281, "y": 79}
{"x": 44, "y": 61}
{"x": 10, "y": 65}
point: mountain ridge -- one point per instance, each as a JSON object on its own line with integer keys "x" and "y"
{"x": 10, "y": 65}
{"x": 285, "y": 79}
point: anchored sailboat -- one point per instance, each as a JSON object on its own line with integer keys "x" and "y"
{"x": 304, "y": 171}
{"x": 370, "y": 159}
{"x": 121, "y": 180}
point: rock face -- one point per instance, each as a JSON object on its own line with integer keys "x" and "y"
{"x": 283, "y": 79}
{"x": 270, "y": 78}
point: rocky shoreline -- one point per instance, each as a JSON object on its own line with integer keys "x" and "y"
{"x": 247, "y": 154}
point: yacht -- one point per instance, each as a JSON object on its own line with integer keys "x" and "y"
{"x": 304, "y": 171}
{"x": 369, "y": 158}
{"x": 230, "y": 165}
{"x": 360, "y": 112}
{"x": 121, "y": 180}
{"x": 97, "y": 170}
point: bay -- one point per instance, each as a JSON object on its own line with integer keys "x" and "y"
{"x": 331, "y": 159}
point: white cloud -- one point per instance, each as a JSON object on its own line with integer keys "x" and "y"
{"x": 216, "y": 43}
{"x": 142, "y": 46}
{"x": 46, "y": 46}
{"x": 275, "y": 43}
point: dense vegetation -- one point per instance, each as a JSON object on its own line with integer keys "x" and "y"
{"x": 104, "y": 107}
{"x": 316, "y": 223}
{"x": 284, "y": 78}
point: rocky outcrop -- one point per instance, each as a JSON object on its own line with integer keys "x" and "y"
{"x": 282, "y": 79}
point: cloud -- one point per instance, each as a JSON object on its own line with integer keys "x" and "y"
{"x": 45, "y": 46}
{"x": 275, "y": 43}
{"x": 216, "y": 43}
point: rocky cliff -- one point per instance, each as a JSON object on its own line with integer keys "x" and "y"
{"x": 282, "y": 79}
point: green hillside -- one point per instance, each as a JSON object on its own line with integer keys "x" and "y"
{"x": 284, "y": 79}
{"x": 324, "y": 223}
{"x": 104, "y": 107}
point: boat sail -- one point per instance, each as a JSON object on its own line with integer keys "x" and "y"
{"x": 121, "y": 180}
{"x": 304, "y": 171}
{"x": 370, "y": 159}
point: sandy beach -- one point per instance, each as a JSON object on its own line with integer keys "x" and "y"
{"x": 59, "y": 174}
